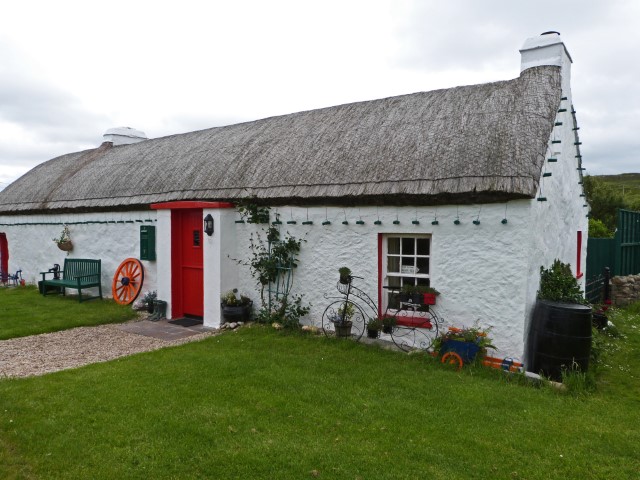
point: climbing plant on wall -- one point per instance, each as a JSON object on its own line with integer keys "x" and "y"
{"x": 272, "y": 263}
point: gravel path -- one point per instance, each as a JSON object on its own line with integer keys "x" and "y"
{"x": 51, "y": 352}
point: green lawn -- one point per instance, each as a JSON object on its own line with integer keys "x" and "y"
{"x": 257, "y": 403}
{"x": 23, "y": 311}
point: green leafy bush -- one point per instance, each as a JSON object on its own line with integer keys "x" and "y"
{"x": 558, "y": 284}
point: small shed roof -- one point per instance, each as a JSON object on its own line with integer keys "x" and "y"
{"x": 466, "y": 144}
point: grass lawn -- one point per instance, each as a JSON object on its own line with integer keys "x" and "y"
{"x": 262, "y": 404}
{"x": 23, "y": 311}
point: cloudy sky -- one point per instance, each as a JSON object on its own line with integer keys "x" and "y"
{"x": 69, "y": 70}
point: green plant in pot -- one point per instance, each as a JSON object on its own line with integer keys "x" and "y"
{"x": 373, "y": 328}
{"x": 559, "y": 336}
{"x": 235, "y": 307}
{"x": 342, "y": 320}
{"x": 388, "y": 323}
{"x": 467, "y": 342}
{"x": 406, "y": 293}
{"x": 345, "y": 275}
{"x": 148, "y": 299}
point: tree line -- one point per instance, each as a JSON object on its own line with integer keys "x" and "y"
{"x": 605, "y": 199}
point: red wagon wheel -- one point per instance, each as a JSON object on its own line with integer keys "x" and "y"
{"x": 127, "y": 281}
{"x": 453, "y": 360}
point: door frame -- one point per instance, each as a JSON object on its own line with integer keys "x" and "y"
{"x": 219, "y": 272}
{"x": 178, "y": 262}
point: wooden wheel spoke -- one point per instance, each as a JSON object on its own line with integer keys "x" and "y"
{"x": 130, "y": 268}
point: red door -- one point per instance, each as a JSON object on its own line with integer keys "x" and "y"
{"x": 187, "y": 294}
{"x": 4, "y": 257}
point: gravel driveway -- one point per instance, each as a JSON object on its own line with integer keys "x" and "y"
{"x": 51, "y": 352}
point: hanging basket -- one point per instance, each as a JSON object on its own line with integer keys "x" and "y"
{"x": 65, "y": 246}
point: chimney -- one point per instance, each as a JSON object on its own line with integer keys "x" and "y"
{"x": 124, "y": 136}
{"x": 547, "y": 49}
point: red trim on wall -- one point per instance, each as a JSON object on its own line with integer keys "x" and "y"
{"x": 380, "y": 239}
{"x": 579, "y": 273}
{"x": 190, "y": 204}
{"x": 4, "y": 256}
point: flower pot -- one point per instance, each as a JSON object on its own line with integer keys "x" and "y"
{"x": 373, "y": 333}
{"x": 417, "y": 298}
{"x": 233, "y": 313}
{"x": 345, "y": 280}
{"x": 65, "y": 246}
{"x": 150, "y": 307}
{"x": 429, "y": 298}
{"x": 343, "y": 329}
{"x": 404, "y": 297}
{"x": 387, "y": 329}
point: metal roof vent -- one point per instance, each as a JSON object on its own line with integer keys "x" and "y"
{"x": 124, "y": 136}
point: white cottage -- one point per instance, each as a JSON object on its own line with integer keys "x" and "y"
{"x": 475, "y": 187}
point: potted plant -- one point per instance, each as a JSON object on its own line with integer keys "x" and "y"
{"x": 64, "y": 240}
{"x": 388, "y": 322}
{"x": 342, "y": 321}
{"x": 428, "y": 294}
{"x": 373, "y": 328}
{"x": 406, "y": 293}
{"x": 466, "y": 342}
{"x": 235, "y": 307}
{"x": 345, "y": 275}
{"x": 148, "y": 300}
{"x": 560, "y": 329}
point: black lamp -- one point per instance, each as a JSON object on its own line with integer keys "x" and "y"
{"x": 208, "y": 224}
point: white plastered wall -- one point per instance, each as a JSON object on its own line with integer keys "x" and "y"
{"x": 481, "y": 270}
{"x": 220, "y": 270}
{"x": 563, "y": 214}
{"x": 109, "y": 236}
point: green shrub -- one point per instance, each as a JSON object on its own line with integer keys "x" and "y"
{"x": 559, "y": 285}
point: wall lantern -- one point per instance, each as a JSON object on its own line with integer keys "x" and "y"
{"x": 208, "y": 224}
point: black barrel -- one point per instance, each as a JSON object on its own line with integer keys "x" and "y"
{"x": 559, "y": 338}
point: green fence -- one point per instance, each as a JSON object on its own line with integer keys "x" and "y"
{"x": 620, "y": 253}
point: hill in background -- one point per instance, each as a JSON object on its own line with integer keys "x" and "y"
{"x": 628, "y": 184}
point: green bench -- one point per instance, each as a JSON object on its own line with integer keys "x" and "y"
{"x": 78, "y": 273}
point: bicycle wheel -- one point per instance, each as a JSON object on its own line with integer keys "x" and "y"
{"x": 415, "y": 330}
{"x": 333, "y": 326}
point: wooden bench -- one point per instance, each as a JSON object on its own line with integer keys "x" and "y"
{"x": 78, "y": 273}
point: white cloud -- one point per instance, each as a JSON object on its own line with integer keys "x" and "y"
{"x": 71, "y": 69}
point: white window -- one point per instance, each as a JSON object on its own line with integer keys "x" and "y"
{"x": 406, "y": 261}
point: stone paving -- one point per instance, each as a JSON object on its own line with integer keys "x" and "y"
{"x": 162, "y": 329}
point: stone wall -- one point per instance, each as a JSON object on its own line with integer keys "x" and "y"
{"x": 625, "y": 290}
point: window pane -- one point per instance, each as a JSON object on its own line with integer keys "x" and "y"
{"x": 393, "y": 245}
{"x": 393, "y": 264}
{"x": 423, "y": 246}
{"x": 394, "y": 282}
{"x": 423, "y": 282}
{"x": 408, "y": 265}
{"x": 408, "y": 246}
{"x": 423, "y": 266}
{"x": 408, "y": 281}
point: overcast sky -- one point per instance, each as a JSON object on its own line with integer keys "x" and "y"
{"x": 70, "y": 70}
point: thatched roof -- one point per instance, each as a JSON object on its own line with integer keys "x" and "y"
{"x": 465, "y": 144}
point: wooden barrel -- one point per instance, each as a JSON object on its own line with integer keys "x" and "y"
{"x": 559, "y": 338}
